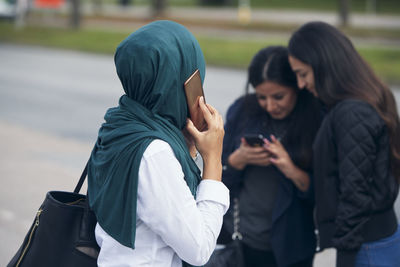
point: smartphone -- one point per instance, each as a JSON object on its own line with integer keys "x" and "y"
{"x": 255, "y": 140}
{"x": 193, "y": 92}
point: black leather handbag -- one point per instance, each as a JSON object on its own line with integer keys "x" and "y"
{"x": 231, "y": 255}
{"x": 62, "y": 233}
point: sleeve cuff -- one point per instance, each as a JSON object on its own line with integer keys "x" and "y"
{"x": 346, "y": 258}
{"x": 212, "y": 190}
{"x": 305, "y": 194}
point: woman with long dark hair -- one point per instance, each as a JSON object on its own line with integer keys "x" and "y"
{"x": 272, "y": 181}
{"x": 357, "y": 149}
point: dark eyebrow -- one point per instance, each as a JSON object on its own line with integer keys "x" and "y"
{"x": 278, "y": 94}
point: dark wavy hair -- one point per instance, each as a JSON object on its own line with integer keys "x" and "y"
{"x": 341, "y": 73}
{"x": 271, "y": 64}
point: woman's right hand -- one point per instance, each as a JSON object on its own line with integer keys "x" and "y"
{"x": 209, "y": 142}
{"x": 248, "y": 155}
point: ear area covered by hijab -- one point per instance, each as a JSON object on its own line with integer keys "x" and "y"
{"x": 152, "y": 64}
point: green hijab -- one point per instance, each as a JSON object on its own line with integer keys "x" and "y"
{"x": 152, "y": 63}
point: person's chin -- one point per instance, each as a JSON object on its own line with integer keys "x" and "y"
{"x": 279, "y": 116}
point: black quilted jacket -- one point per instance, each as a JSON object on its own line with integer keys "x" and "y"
{"x": 354, "y": 188}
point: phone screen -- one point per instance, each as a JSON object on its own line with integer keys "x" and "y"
{"x": 255, "y": 140}
{"x": 193, "y": 91}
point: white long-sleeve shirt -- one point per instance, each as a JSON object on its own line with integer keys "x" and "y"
{"x": 171, "y": 225}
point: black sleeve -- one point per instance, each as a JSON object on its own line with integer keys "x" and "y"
{"x": 309, "y": 194}
{"x": 355, "y": 128}
{"x": 231, "y": 177}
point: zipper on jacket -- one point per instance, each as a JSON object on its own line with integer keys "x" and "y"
{"x": 316, "y": 231}
{"x": 30, "y": 237}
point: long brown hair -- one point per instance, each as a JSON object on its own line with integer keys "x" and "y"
{"x": 340, "y": 73}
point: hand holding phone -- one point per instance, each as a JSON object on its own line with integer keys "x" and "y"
{"x": 209, "y": 141}
{"x": 250, "y": 152}
{"x": 193, "y": 92}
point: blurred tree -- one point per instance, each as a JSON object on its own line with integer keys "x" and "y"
{"x": 344, "y": 12}
{"x": 125, "y": 3}
{"x": 371, "y": 6}
{"x": 97, "y": 6}
{"x": 216, "y": 2}
{"x": 21, "y": 11}
{"x": 75, "y": 16}
{"x": 158, "y": 7}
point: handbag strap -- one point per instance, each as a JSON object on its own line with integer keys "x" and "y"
{"x": 82, "y": 179}
{"x": 236, "y": 219}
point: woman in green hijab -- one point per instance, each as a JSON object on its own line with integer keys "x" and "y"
{"x": 152, "y": 205}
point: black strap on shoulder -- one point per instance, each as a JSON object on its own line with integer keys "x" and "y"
{"x": 82, "y": 179}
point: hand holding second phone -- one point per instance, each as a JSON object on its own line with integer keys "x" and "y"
{"x": 209, "y": 142}
{"x": 247, "y": 154}
{"x": 281, "y": 159}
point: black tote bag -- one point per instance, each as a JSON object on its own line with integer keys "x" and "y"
{"x": 231, "y": 255}
{"x": 62, "y": 233}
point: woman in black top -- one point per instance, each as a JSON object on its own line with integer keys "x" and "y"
{"x": 357, "y": 149}
{"x": 272, "y": 181}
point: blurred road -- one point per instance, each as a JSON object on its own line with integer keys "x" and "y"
{"x": 60, "y": 91}
{"x": 52, "y": 103}
{"x": 230, "y": 14}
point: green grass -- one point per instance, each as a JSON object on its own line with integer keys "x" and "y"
{"x": 361, "y": 6}
{"x": 229, "y": 53}
{"x": 385, "y": 62}
{"x": 83, "y": 40}
{"x": 382, "y": 6}
{"x": 218, "y": 51}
